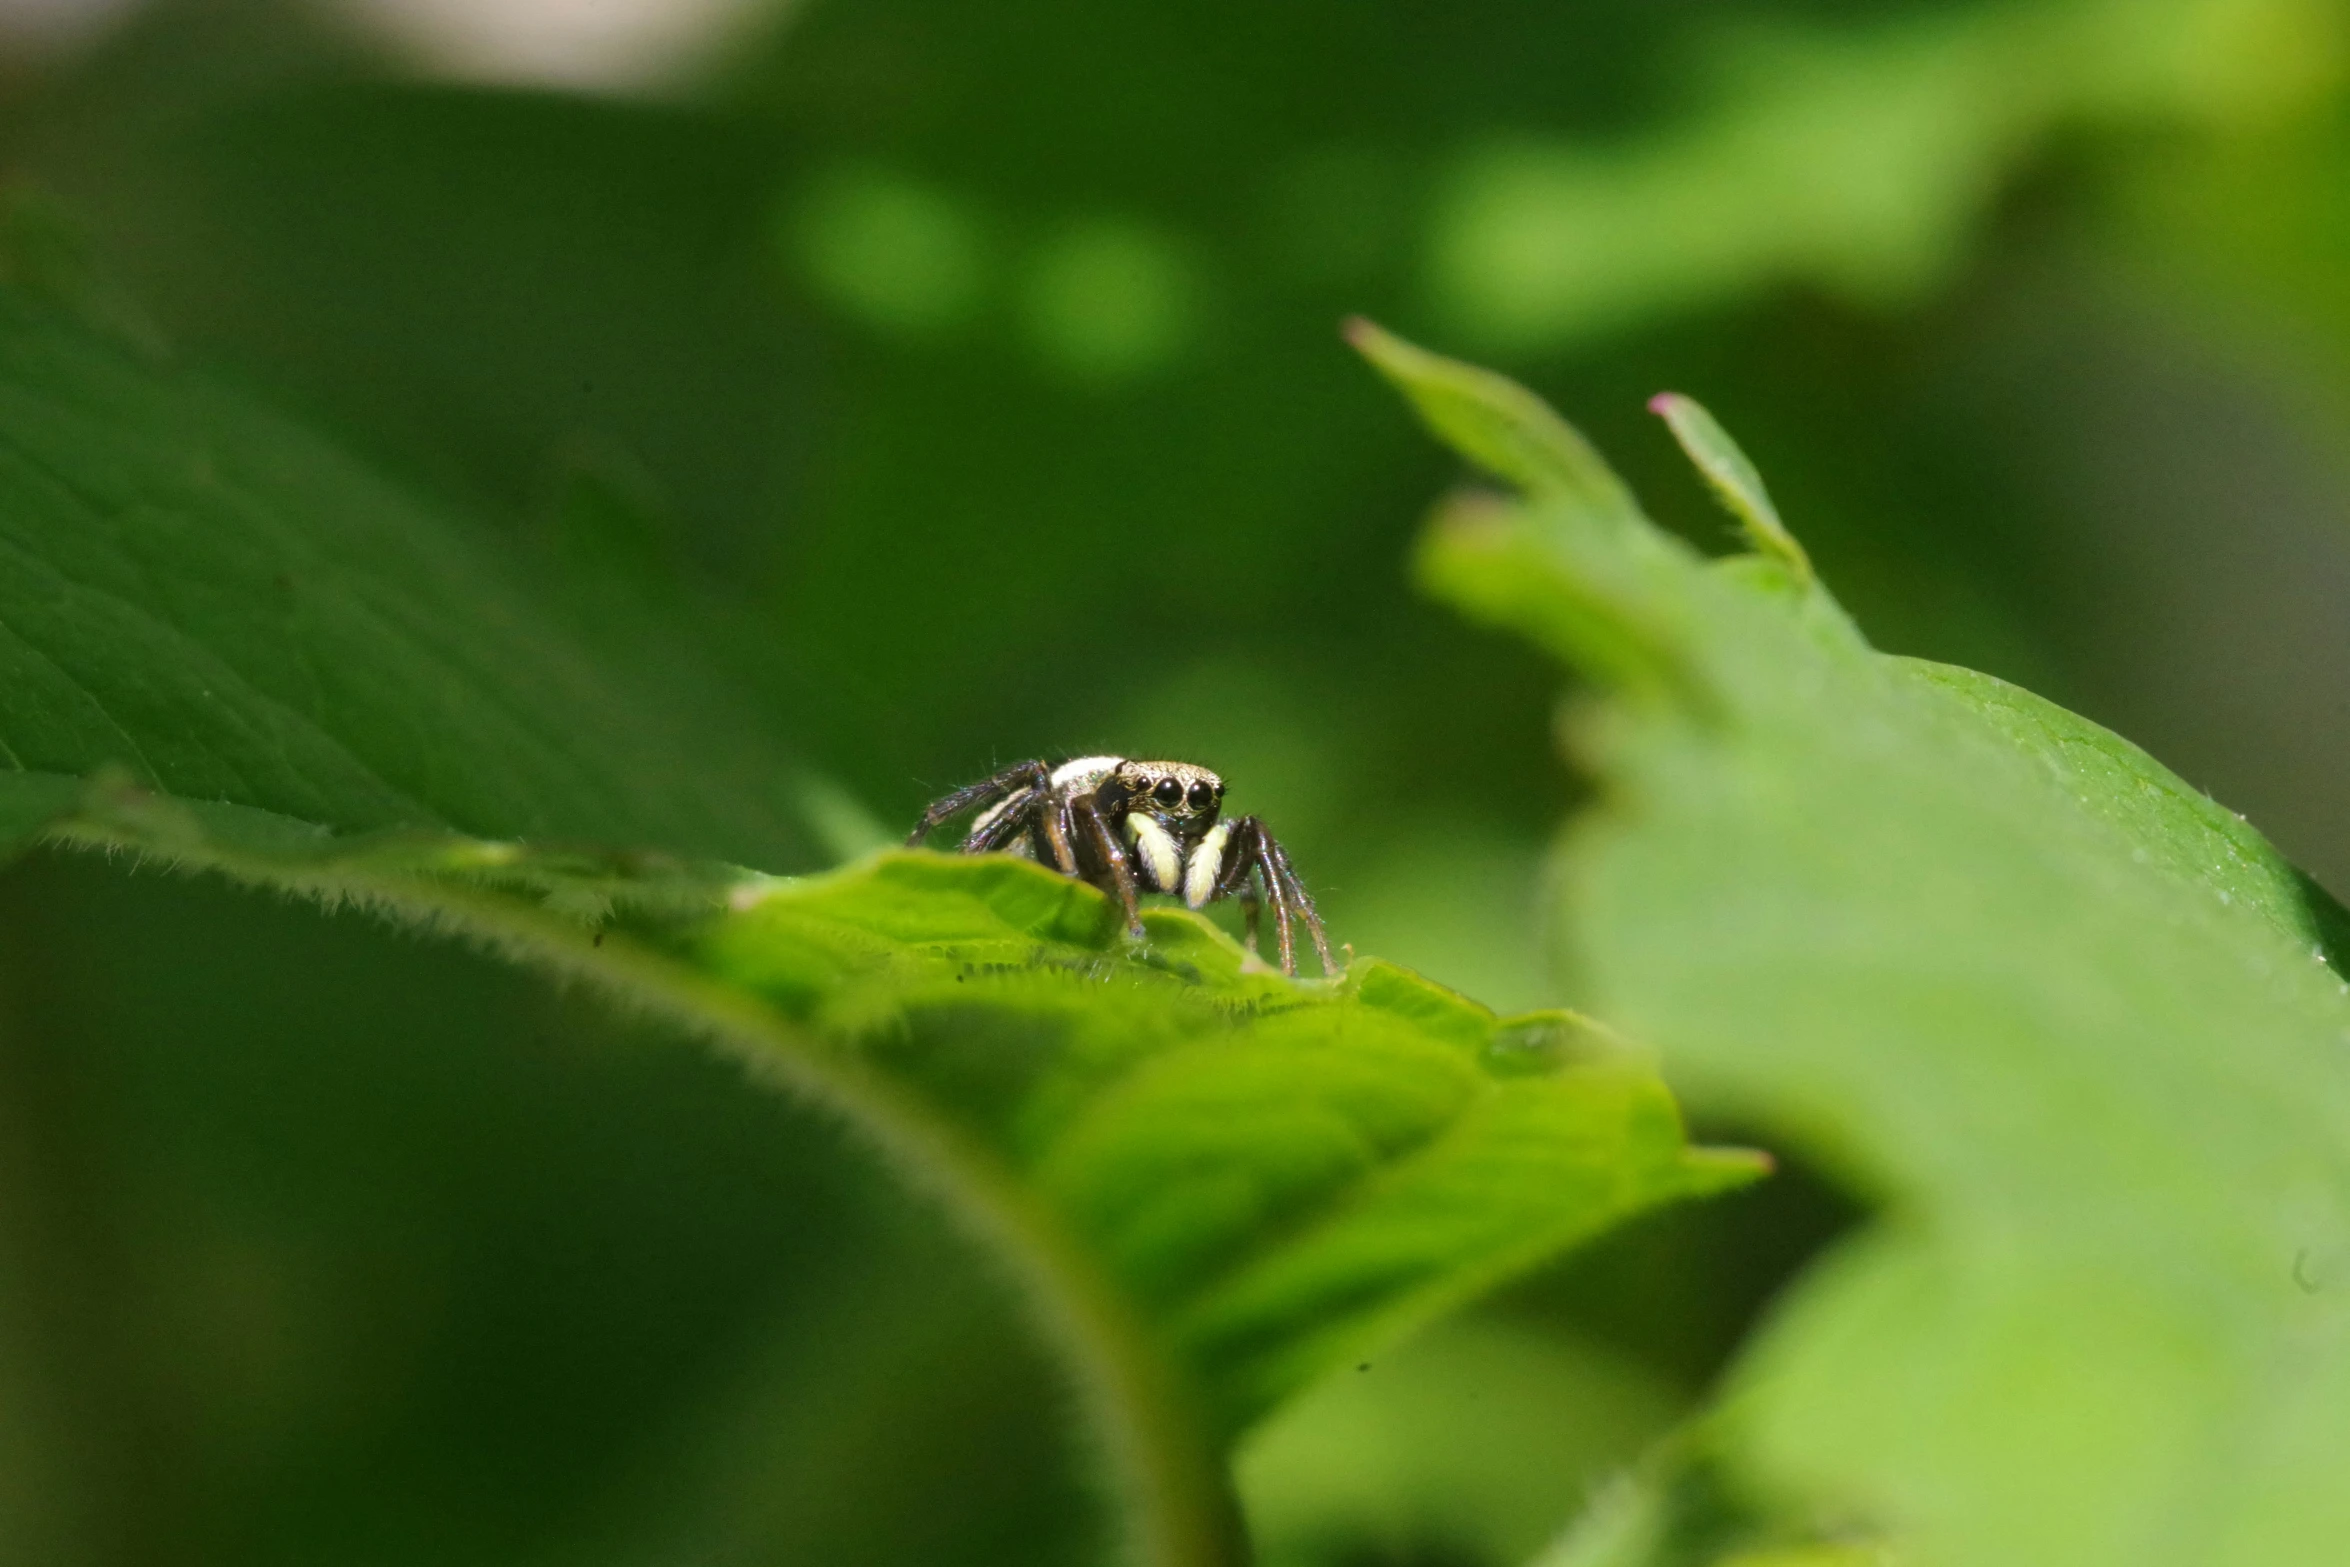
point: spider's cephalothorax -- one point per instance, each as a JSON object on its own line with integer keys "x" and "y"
{"x": 1130, "y": 827}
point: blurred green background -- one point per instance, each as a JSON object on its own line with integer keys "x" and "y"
{"x": 971, "y": 370}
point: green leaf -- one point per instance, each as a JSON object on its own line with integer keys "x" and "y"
{"x": 1213, "y": 1182}
{"x": 1473, "y": 1442}
{"x": 1279, "y": 1175}
{"x": 2075, "y": 1027}
{"x": 198, "y": 591}
{"x": 1501, "y": 427}
{"x": 1855, "y": 159}
{"x": 1680, "y": 1507}
{"x": 1733, "y": 478}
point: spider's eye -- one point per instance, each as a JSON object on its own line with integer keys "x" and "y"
{"x": 1169, "y": 793}
{"x": 1202, "y": 796}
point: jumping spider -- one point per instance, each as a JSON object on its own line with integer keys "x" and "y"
{"x": 1129, "y": 827}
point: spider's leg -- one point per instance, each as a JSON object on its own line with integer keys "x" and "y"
{"x": 1056, "y": 832}
{"x": 1303, "y": 901}
{"x": 1255, "y": 858}
{"x": 1002, "y": 822}
{"x": 1278, "y": 889}
{"x": 1234, "y": 875}
{"x": 1022, "y": 775}
{"x": 1104, "y": 844}
{"x": 1252, "y": 854}
{"x": 1277, "y": 868}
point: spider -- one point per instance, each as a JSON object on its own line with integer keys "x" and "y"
{"x": 1127, "y": 827}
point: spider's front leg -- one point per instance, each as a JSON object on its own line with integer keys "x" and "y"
{"x": 1253, "y": 858}
{"x": 1301, "y": 903}
{"x": 1109, "y": 857}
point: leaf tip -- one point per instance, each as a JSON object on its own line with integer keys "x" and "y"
{"x": 1405, "y": 364}
{"x": 1734, "y": 480}
{"x": 1495, "y": 423}
{"x": 1713, "y": 1170}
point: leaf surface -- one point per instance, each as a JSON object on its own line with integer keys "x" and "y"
{"x": 1280, "y": 1173}
{"x": 1214, "y": 1182}
{"x": 236, "y": 649}
{"x": 198, "y": 591}
{"x": 2075, "y": 1026}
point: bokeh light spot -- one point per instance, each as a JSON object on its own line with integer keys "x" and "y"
{"x": 1111, "y": 299}
{"x": 39, "y": 29}
{"x": 585, "y": 45}
{"x": 889, "y": 251}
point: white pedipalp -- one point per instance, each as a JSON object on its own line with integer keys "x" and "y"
{"x": 1207, "y": 863}
{"x": 1162, "y": 862}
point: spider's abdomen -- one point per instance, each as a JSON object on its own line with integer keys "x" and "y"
{"x": 1084, "y": 774}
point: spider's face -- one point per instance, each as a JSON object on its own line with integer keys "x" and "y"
{"x": 1179, "y": 796}
{"x": 1171, "y": 826}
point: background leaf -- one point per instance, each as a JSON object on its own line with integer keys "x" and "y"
{"x": 2071, "y": 1024}
{"x": 204, "y": 595}
{"x": 1857, "y": 162}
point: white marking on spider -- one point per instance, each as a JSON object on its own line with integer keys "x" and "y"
{"x": 1085, "y": 772}
{"x": 1207, "y": 863}
{"x": 1162, "y": 861}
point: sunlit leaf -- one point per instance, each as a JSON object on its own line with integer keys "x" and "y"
{"x": 2074, "y": 1026}
{"x": 1733, "y": 477}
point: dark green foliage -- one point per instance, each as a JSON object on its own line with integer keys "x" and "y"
{"x": 203, "y": 594}
{"x": 1273, "y": 1175}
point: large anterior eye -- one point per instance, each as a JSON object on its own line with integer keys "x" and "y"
{"x": 1202, "y": 796}
{"x": 1169, "y": 793}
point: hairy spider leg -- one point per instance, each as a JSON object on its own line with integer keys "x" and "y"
{"x": 1255, "y": 858}
{"x": 1002, "y": 822}
{"x": 1056, "y": 829}
{"x": 1038, "y": 813}
{"x": 1303, "y": 900}
{"x": 1278, "y": 887}
{"x": 1252, "y": 910}
{"x": 1113, "y": 858}
{"x": 1245, "y": 871}
{"x": 1025, "y": 798}
{"x": 1232, "y": 877}
{"x": 1029, "y": 775}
